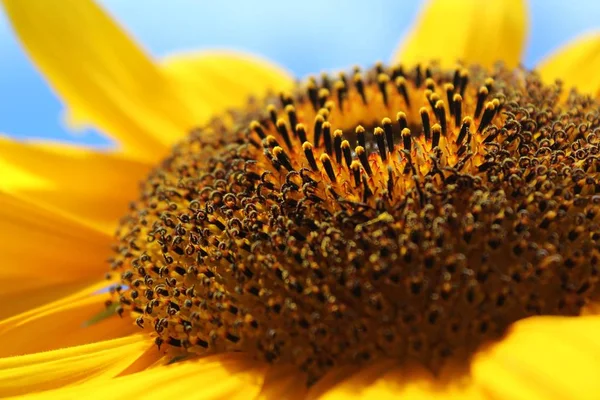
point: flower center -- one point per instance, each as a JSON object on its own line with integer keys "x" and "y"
{"x": 387, "y": 214}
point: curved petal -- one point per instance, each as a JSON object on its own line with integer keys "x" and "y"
{"x": 29, "y": 294}
{"x": 107, "y": 80}
{"x": 283, "y": 382}
{"x": 224, "y": 376}
{"x": 46, "y": 254}
{"x": 387, "y": 379}
{"x": 576, "y": 64}
{"x": 470, "y": 31}
{"x": 93, "y": 186}
{"x": 214, "y": 81}
{"x": 43, "y": 371}
{"x": 39, "y": 242}
{"x": 543, "y": 358}
{"x": 104, "y": 77}
{"x": 63, "y": 323}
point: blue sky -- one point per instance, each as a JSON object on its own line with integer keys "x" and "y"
{"x": 304, "y": 36}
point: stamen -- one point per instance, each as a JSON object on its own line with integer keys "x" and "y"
{"x": 347, "y": 152}
{"x": 360, "y": 87}
{"x": 440, "y": 113}
{"x": 382, "y": 81}
{"x": 430, "y": 84}
{"x": 397, "y": 71}
{"x": 489, "y": 83}
{"x": 323, "y": 96}
{"x": 255, "y": 126}
{"x": 496, "y": 104}
{"x": 319, "y": 120}
{"x": 389, "y": 133}
{"x": 457, "y": 106}
{"x": 327, "y": 137}
{"x": 402, "y": 121}
{"x": 313, "y": 93}
{"x": 401, "y": 88}
{"x": 291, "y": 112}
{"x": 362, "y": 156}
{"x": 406, "y": 139}
{"x": 282, "y": 158}
{"x": 355, "y": 167}
{"x": 450, "y": 95}
{"x": 464, "y": 80}
{"x": 378, "y": 132}
{"x": 428, "y": 95}
{"x": 436, "y": 131}
{"x": 481, "y": 96}
{"x": 310, "y": 157}
{"x": 272, "y": 110}
{"x": 464, "y": 129}
{"x": 271, "y": 142}
{"x": 342, "y": 93}
{"x": 301, "y": 132}
{"x": 418, "y": 76}
{"x": 326, "y": 161}
{"x": 282, "y": 129}
{"x": 456, "y": 78}
{"x": 360, "y": 136}
{"x": 325, "y": 83}
{"x": 337, "y": 145}
{"x": 488, "y": 114}
{"x": 343, "y": 79}
{"x": 425, "y": 123}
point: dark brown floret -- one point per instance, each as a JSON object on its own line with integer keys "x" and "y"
{"x": 279, "y": 235}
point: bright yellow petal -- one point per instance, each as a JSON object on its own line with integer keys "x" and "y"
{"x": 469, "y": 31}
{"x": 224, "y": 376}
{"x": 284, "y": 382}
{"x": 41, "y": 243}
{"x": 543, "y": 358}
{"x": 42, "y": 371}
{"x": 576, "y": 64}
{"x": 386, "y": 379}
{"x": 93, "y": 186}
{"x": 107, "y": 80}
{"x": 104, "y": 77}
{"x": 14, "y": 177}
{"x": 214, "y": 81}
{"x": 24, "y": 296}
{"x": 46, "y": 254}
{"x": 62, "y": 323}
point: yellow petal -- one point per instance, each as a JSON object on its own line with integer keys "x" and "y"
{"x": 543, "y": 358}
{"x": 42, "y": 371}
{"x": 576, "y": 64}
{"x": 93, "y": 186}
{"x": 386, "y": 379}
{"x": 39, "y": 242}
{"x": 467, "y": 30}
{"x": 46, "y": 254}
{"x": 62, "y": 323}
{"x": 224, "y": 376}
{"x": 29, "y": 295}
{"x": 392, "y": 384}
{"x": 284, "y": 382}
{"x": 214, "y": 81}
{"x": 107, "y": 80}
{"x": 14, "y": 177}
{"x": 103, "y": 76}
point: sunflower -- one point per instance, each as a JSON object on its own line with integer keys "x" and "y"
{"x": 420, "y": 229}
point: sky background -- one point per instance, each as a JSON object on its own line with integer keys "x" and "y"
{"x": 307, "y": 36}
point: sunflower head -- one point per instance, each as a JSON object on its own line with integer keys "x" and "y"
{"x": 412, "y": 215}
